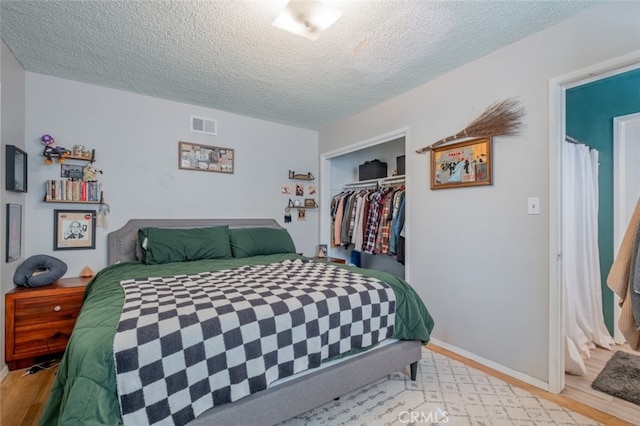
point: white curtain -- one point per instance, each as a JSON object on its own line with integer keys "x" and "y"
{"x": 583, "y": 321}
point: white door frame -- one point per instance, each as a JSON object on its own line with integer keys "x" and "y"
{"x": 557, "y": 131}
{"x": 620, "y": 207}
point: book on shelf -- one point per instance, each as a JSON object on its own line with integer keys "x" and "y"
{"x": 72, "y": 190}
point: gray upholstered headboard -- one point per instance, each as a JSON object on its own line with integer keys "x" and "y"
{"x": 122, "y": 242}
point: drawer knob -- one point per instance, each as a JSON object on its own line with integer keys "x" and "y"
{"x": 57, "y": 308}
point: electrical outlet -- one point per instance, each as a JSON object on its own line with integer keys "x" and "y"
{"x": 533, "y": 205}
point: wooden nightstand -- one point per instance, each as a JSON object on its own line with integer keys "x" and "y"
{"x": 38, "y": 321}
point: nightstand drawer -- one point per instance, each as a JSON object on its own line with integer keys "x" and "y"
{"x": 39, "y": 310}
{"x": 45, "y": 338}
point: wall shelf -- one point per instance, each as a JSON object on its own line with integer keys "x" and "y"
{"x": 72, "y": 202}
{"x": 91, "y": 157}
{"x": 73, "y": 189}
{"x": 292, "y": 205}
{"x": 300, "y": 176}
{"x": 73, "y": 157}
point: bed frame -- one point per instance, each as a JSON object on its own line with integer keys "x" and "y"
{"x": 297, "y": 395}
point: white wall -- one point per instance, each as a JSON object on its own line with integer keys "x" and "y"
{"x": 477, "y": 259}
{"x": 12, "y": 113}
{"x": 136, "y": 141}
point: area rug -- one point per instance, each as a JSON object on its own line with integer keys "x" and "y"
{"x": 620, "y": 377}
{"x": 447, "y": 393}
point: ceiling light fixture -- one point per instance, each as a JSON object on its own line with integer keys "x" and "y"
{"x": 308, "y": 18}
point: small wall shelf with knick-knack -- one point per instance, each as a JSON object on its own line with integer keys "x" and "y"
{"x": 90, "y": 159}
{"x": 309, "y": 203}
{"x": 300, "y": 176}
{"x": 52, "y": 150}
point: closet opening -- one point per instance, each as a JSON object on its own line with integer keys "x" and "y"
{"x": 562, "y": 123}
{"x": 342, "y": 185}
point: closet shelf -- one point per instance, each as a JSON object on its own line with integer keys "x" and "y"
{"x": 376, "y": 182}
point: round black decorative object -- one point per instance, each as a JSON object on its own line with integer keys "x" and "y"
{"x": 39, "y": 270}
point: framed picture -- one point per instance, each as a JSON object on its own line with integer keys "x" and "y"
{"x": 322, "y": 250}
{"x": 74, "y": 229}
{"x": 467, "y": 163}
{"x": 14, "y": 232}
{"x": 205, "y": 158}
{"x": 71, "y": 171}
{"x": 15, "y": 169}
{"x": 286, "y": 189}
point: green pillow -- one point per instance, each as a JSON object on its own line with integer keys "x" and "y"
{"x": 164, "y": 245}
{"x": 247, "y": 242}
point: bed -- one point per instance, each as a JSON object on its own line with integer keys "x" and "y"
{"x": 85, "y": 388}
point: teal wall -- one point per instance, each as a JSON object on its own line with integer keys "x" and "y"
{"x": 590, "y": 110}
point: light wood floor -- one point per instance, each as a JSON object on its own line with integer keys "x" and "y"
{"x": 22, "y": 398}
{"x": 579, "y": 388}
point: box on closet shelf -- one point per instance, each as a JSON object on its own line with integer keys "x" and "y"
{"x": 400, "y": 165}
{"x": 374, "y": 169}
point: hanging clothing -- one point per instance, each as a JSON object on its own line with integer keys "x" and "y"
{"x": 634, "y": 280}
{"x": 357, "y": 224}
{"x": 373, "y": 222}
{"x": 382, "y": 239}
{"x": 397, "y": 222}
{"x": 397, "y": 219}
{"x": 337, "y": 223}
{"x": 348, "y": 219}
{"x": 368, "y": 221}
{"x": 584, "y": 319}
{"x": 618, "y": 280}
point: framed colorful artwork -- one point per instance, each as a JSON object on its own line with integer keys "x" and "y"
{"x": 467, "y": 163}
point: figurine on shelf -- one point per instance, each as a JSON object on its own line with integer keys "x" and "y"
{"x": 90, "y": 173}
{"x": 52, "y": 150}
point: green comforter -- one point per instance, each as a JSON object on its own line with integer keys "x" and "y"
{"x": 84, "y": 391}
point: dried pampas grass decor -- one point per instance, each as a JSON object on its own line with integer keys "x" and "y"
{"x": 501, "y": 118}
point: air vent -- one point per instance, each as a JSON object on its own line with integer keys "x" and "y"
{"x": 207, "y": 126}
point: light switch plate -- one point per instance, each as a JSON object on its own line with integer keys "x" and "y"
{"x": 533, "y": 205}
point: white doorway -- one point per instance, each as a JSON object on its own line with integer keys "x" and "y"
{"x": 626, "y": 187}
{"x": 557, "y": 132}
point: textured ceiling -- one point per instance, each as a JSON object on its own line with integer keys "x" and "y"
{"x": 226, "y": 54}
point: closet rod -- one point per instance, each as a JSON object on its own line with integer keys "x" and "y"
{"x": 360, "y": 185}
{"x": 394, "y": 180}
{"x": 375, "y": 182}
{"x": 573, "y": 140}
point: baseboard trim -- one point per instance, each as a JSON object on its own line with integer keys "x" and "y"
{"x": 493, "y": 365}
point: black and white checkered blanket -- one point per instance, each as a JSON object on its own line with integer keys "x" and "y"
{"x": 187, "y": 343}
